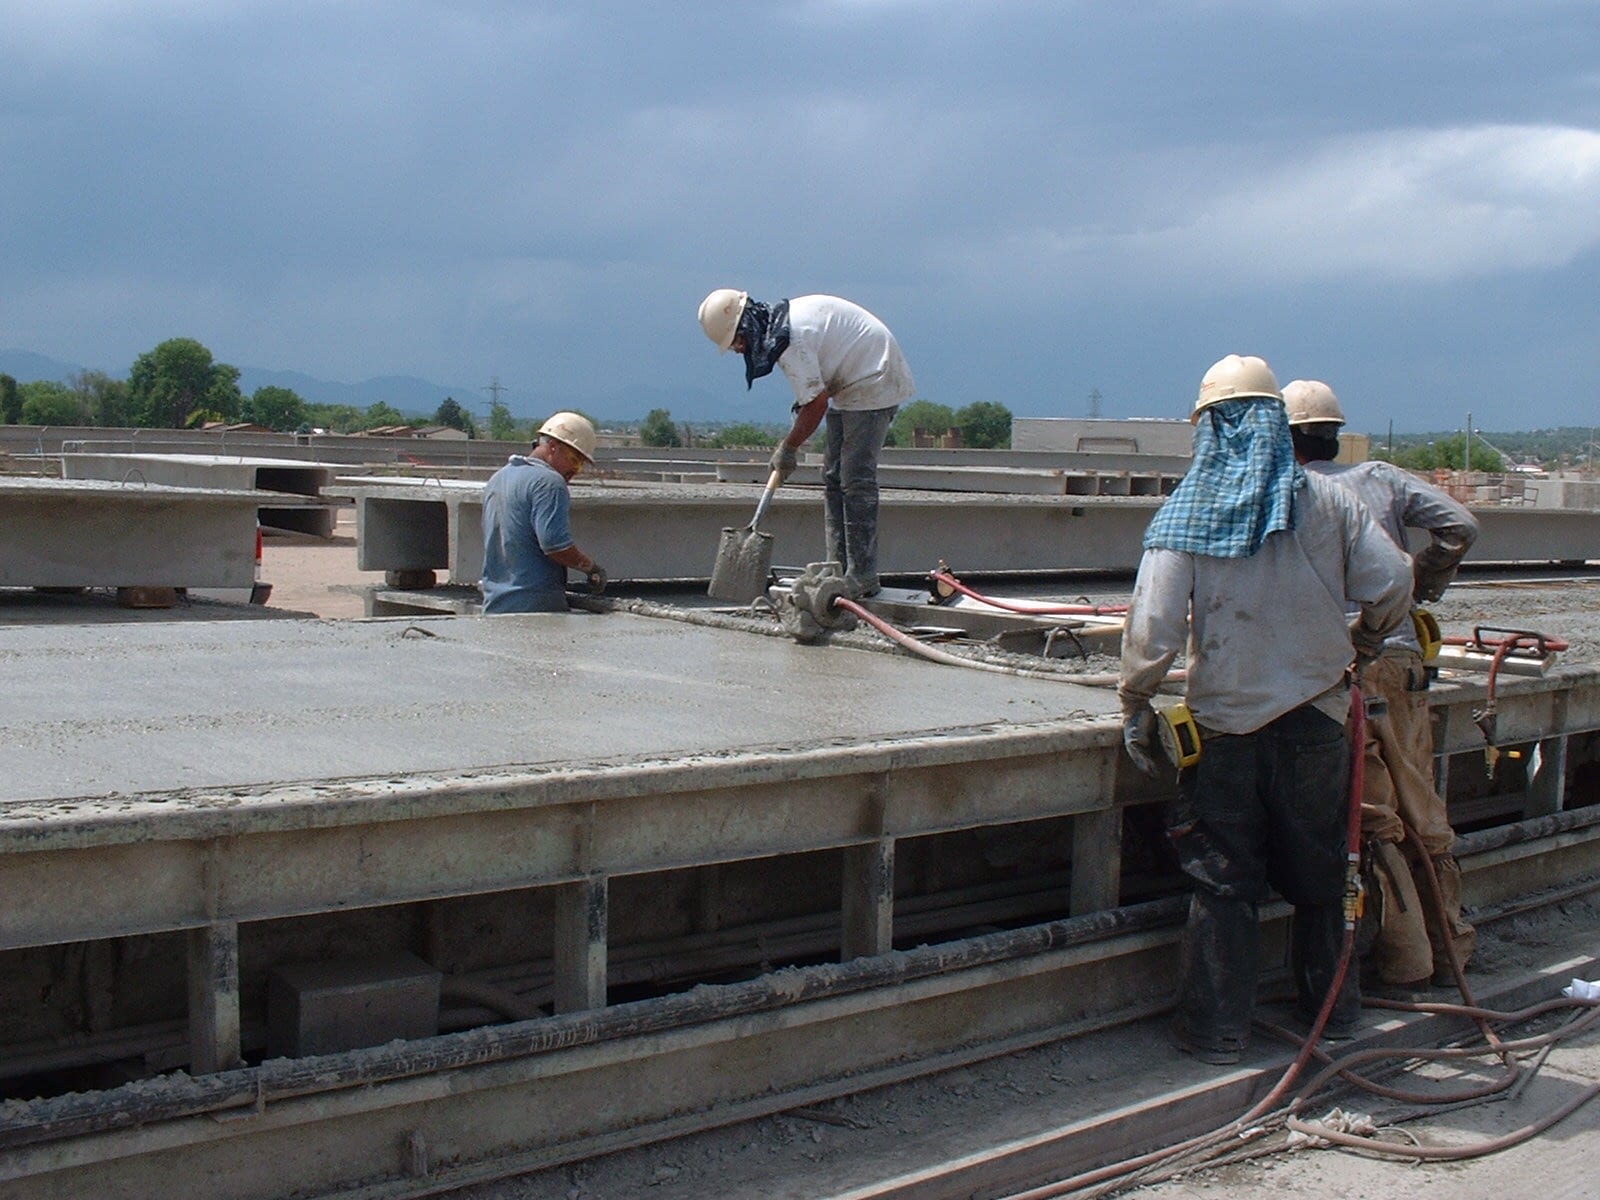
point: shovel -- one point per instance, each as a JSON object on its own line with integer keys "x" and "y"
{"x": 744, "y": 557}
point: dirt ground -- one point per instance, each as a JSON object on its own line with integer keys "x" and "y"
{"x": 317, "y": 575}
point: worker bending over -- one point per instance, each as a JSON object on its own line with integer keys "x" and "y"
{"x": 527, "y": 532}
{"x": 1246, "y": 569}
{"x": 846, "y": 368}
{"x": 1409, "y": 951}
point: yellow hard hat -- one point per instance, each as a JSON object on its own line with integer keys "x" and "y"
{"x": 1311, "y": 402}
{"x": 1234, "y": 378}
{"x": 571, "y": 429}
{"x": 720, "y": 313}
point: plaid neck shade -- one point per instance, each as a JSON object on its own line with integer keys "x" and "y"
{"x": 1240, "y": 486}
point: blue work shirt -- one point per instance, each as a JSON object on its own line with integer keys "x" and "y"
{"x": 526, "y": 509}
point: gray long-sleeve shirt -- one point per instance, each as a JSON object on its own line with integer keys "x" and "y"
{"x": 1398, "y": 501}
{"x": 1267, "y": 633}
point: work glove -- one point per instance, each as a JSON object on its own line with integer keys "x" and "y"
{"x": 1140, "y": 738}
{"x": 1368, "y": 644}
{"x": 1428, "y": 586}
{"x": 597, "y": 578}
{"x": 784, "y": 460}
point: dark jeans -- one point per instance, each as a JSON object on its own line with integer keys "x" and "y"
{"x": 850, "y": 491}
{"x": 1268, "y": 808}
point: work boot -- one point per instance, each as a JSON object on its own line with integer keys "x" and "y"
{"x": 1222, "y": 1052}
{"x": 1461, "y": 937}
{"x": 860, "y": 589}
{"x": 1401, "y": 952}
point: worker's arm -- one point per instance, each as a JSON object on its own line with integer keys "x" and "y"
{"x": 1377, "y": 577}
{"x": 806, "y": 419}
{"x": 579, "y": 561}
{"x": 1451, "y": 531}
{"x": 1157, "y": 625}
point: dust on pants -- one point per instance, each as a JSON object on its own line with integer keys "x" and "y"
{"x": 1399, "y": 792}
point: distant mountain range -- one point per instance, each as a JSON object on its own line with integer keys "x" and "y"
{"x": 419, "y": 397}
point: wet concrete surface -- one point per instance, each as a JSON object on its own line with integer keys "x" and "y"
{"x": 94, "y": 710}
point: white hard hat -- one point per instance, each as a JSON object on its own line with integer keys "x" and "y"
{"x": 720, "y": 313}
{"x": 1311, "y": 402}
{"x": 1234, "y": 378}
{"x": 571, "y": 429}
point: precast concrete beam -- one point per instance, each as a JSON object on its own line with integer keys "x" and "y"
{"x": 88, "y": 533}
{"x": 662, "y": 531}
{"x": 218, "y": 472}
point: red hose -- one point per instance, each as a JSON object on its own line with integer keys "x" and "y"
{"x": 1082, "y": 610}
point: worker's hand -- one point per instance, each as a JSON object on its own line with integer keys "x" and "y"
{"x": 1428, "y": 586}
{"x": 1139, "y": 737}
{"x": 784, "y": 460}
{"x": 597, "y": 578}
{"x": 1368, "y": 645}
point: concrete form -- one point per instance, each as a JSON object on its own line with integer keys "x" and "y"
{"x": 572, "y": 766}
{"x": 216, "y": 472}
{"x": 86, "y": 533}
{"x": 665, "y": 531}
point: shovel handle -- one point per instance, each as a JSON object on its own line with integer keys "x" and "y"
{"x": 766, "y": 498}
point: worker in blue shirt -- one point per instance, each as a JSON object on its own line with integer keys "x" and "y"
{"x": 527, "y": 532}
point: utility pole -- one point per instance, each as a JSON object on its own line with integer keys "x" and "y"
{"x": 1094, "y": 404}
{"x": 1466, "y": 456}
{"x": 494, "y": 389}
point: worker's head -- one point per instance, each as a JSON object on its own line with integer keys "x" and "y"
{"x": 719, "y": 316}
{"x": 1315, "y": 419}
{"x": 1235, "y": 378}
{"x": 566, "y": 442}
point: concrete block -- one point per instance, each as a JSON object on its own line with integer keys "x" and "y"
{"x": 326, "y": 1007}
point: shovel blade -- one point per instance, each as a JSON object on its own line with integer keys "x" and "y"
{"x": 744, "y": 560}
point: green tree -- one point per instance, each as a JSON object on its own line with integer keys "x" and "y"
{"x": 920, "y": 414}
{"x": 10, "y": 401}
{"x": 178, "y": 383}
{"x": 742, "y": 437}
{"x": 658, "y": 429}
{"x": 503, "y": 426}
{"x": 105, "y": 400}
{"x": 47, "y": 402}
{"x": 379, "y": 413}
{"x": 338, "y": 418}
{"x": 452, "y": 414}
{"x": 277, "y": 408}
{"x": 985, "y": 425}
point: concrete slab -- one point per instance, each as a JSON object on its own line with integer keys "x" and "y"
{"x": 98, "y": 712}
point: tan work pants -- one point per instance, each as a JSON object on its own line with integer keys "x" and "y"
{"x": 1399, "y": 792}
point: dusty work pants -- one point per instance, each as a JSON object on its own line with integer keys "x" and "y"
{"x": 850, "y": 492}
{"x": 1399, "y": 792}
{"x": 1259, "y": 809}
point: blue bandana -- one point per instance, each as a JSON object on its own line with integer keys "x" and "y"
{"x": 1240, "y": 486}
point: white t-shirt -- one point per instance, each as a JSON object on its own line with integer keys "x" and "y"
{"x": 840, "y": 348}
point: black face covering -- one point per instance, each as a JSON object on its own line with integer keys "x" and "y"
{"x": 766, "y": 337}
{"x": 1315, "y": 446}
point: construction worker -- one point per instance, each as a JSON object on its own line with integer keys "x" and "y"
{"x": 527, "y": 534}
{"x": 1246, "y": 568}
{"x": 1409, "y": 950}
{"x": 846, "y": 368}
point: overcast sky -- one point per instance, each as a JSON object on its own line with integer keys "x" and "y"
{"x": 1043, "y": 200}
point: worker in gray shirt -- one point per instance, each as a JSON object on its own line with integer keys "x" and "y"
{"x": 1246, "y": 570}
{"x": 1409, "y": 951}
